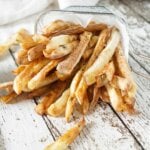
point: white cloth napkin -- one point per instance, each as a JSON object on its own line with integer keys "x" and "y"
{"x": 16, "y": 14}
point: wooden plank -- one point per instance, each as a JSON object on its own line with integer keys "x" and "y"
{"x": 20, "y": 127}
{"x": 140, "y": 124}
{"x": 142, "y": 8}
{"x": 103, "y": 130}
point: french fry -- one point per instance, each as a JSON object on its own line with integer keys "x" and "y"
{"x": 102, "y": 39}
{"x": 41, "y": 77}
{"x": 54, "y": 27}
{"x": 96, "y": 95}
{"x": 40, "y": 39}
{"x": 101, "y": 80}
{"x": 36, "y": 52}
{"x": 40, "y": 82}
{"x": 124, "y": 70}
{"x": 21, "y": 81}
{"x": 87, "y": 53}
{"x": 121, "y": 83}
{"x": 115, "y": 98}
{"x": 58, "y": 107}
{"x": 103, "y": 94}
{"x": 92, "y": 27}
{"x": 6, "y": 85}
{"x": 63, "y": 50}
{"x": 71, "y": 100}
{"x": 22, "y": 57}
{"x": 51, "y": 96}
{"x": 67, "y": 138}
{"x": 103, "y": 58}
{"x": 85, "y": 104}
{"x": 81, "y": 90}
{"x": 93, "y": 41}
{"x": 39, "y": 92}
{"x": 25, "y": 39}
{"x": 19, "y": 69}
{"x": 8, "y": 98}
{"x": 67, "y": 66}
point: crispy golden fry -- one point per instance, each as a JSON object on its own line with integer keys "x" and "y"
{"x": 106, "y": 75}
{"x": 81, "y": 90}
{"x": 96, "y": 95}
{"x": 52, "y": 95}
{"x": 104, "y": 94}
{"x": 6, "y": 85}
{"x": 86, "y": 104}
{"x": 103, "y": 37}
{"x": 115, "y": 98}
{"x": 69, "y": 108}
{"x": 93, "y": 41}
{"x": 40, "y": 82}
{"x": 36, "y": 52}
{"x": 92, "y": 27}
{"x": 19, "y": 69}
{"x": 121, "y": 83}
{"x": 67, "y": 66}
{"x": 41, "y": 77}
{"x": 59, "y": 106}
{"x": 103, "y": 58}
{"x": 40, "y": 39}
{"x": 61, "y": 76}
{"x": 39, "y": 92}
{"x": 67, "y": 138}
{"x": 22, "y": 57}
{"x": 63, "y": 50}
{"x": 129, "y": 104}
{"x": 25, "y": 39}
{"x": 124, "y": 70}
{"x": 87, "y": 53}
{"x": 9, "y": 97}
{"x": 54, "y": 27}
{"x": 21, "y": 81}
{"x": 72, "y": 30}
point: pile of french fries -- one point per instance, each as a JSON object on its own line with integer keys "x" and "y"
{"x": 69, "y": 66}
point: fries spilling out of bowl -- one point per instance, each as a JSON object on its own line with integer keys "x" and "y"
{"x": 69, "y": 66}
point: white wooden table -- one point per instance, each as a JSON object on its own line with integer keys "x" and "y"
{"x": 22, "y": 129}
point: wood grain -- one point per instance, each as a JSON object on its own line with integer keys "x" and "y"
{"x": 20, "y": 127}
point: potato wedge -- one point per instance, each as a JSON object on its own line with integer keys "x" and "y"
{"x": 59, "y": 106}
{"x": 67, "y": 138}
{"x": 67, "y": 66}
{"x": 21, "y": 81}
{"x": 103, "y": 58}
{"x": 51, "y": 96}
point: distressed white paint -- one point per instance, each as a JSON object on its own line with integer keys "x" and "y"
{"x": 20, "y": 127}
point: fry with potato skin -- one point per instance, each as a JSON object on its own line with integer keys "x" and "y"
{"x": 67, "y": 66}
{"x": 51, "y": 96}
{"x": 58, "y": 107}
{"x": 103, "y": 58}
{"x": 67, "y": 138}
